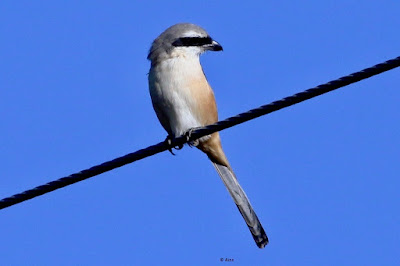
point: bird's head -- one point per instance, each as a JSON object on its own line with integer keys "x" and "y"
{"x": 181, "y": 40}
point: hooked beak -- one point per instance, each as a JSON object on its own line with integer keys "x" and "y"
{"x": 215, "y": 46}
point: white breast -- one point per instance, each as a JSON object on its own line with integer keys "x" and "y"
{"x": 169, "y": 83}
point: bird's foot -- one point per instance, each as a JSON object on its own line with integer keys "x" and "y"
{"x": 188, "y": 135}
{"x": 168, "y": 141}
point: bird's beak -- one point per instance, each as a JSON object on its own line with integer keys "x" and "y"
{"x": 215, "y": 46}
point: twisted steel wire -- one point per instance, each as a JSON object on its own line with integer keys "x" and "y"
{"x": 199, "y": 132}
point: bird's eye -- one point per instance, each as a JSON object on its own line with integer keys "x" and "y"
{"x": 192, "y": 41}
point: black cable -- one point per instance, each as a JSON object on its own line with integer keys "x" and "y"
{"x": 199, "y": 132}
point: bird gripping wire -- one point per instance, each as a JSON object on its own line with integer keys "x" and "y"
{"x": 199, "y": 132}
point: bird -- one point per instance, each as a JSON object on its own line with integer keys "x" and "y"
{"x": 184, "y": 100}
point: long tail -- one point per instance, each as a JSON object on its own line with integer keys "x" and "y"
{"x": 243, "y": 204}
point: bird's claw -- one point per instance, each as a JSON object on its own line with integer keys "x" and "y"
{"x": 188, "y": 135}
{"x": 168, "y": 141}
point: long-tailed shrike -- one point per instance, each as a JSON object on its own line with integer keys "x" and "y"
{"x": 183, "y": 99}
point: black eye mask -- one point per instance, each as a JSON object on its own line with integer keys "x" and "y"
{"x": 192, "y": 41}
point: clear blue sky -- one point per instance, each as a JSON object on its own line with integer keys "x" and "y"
{"x": 323, "y": 175}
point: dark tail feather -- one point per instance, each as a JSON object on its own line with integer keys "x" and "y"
{"x": 243, "y": 204}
